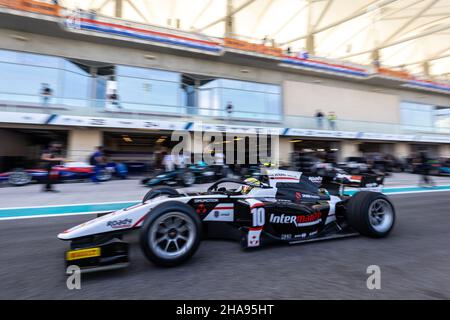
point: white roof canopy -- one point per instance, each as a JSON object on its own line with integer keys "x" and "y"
{"x": 410, "y": 34}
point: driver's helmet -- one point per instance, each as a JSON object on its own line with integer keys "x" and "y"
{"x": 253, "y": 182}
{"x": 250, "y": 184}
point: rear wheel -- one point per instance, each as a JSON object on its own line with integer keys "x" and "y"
{"x": 19, "y": 178}
{"x": 159, "y": 191}
{"x": 188, "y": 178}
{"x": 170, "y": 234}
{"x": 371, "y": 214}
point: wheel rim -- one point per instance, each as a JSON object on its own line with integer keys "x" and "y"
{"x": 104, "y": 175}
{"x": 381, "y": 215}
{"x": 189, "y": 178}
{"x": 19, "y": 178}
{"x": 172, "y": 235}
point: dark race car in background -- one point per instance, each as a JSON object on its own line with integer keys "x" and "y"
{"x": 196, "y": 173}
{"x": 66, "y": 172}
{"x": 282, "y": 207}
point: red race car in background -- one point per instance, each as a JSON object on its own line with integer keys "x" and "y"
{"x": 65, "y": 172}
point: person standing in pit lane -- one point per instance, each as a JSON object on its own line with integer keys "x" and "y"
{"x": 51, "y": 157}
{"x": 97, "y": 160}
{"x": 424, "y": 167}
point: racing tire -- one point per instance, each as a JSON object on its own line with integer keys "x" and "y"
{"x": 104, "y": 175}
{"x": 170, "y": 234}
{"x": 19, "y": 178}
{"x": 371, "y": 214}
{"x": 159, "y": 191}
{"x": 188, "y": 178}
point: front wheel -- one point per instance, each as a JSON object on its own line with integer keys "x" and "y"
{"x": 371, "y": 214}
{"x": 19, "y": 178}
{"x": 170, "y": 234}
{"x": 159, "y": 191}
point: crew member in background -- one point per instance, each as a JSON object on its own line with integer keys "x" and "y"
{"x": 319, "y": 117}
{"x": 424, "y": 166}
{"x": 114, "y": 99}
{"x": 332, "y": 120}
{"x": 229, "y": 108}
{"x": 46, "y": 94}
{"x": 219, "y": 158}
{"x": 51, "y": 157}
{"x": 97, "y": 160}
{"x": 168, "y": 162}
{"x": 180, "y": 161}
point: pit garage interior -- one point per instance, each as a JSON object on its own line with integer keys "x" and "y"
{"x": 22, "y": 147}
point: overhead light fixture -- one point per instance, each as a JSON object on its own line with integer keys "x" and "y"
{"x": 295, "y": 140}
{"x": 149, "y": 57}
{"x": 127, "y": 138}
{"x": 238, "y": 139}
{"x": 161, "y": 139}
{"x": 245, "y": 70}
{"x": 20, "y": 38}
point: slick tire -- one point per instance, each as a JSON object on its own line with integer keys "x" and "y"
{"x": 159, "y": 191}
{"x": 188, "y": 179}
{"x": 19, "y": 178}
{"x": 371, "y": 214}
{"x": 171, "y": 234}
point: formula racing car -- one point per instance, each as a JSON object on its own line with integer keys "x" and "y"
{"x": 282, "y": 206}
{"x": 69, "y": 171}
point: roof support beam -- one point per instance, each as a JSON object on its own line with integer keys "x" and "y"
{"x": 143, "y": 17}
{"x": 388, "y": 14}
{"x": 261, "y": 16}
{"x": 243, "y": 6}
{"x": 200, "y": 14}
{"x": 322, "y": 14}
{"x": 102, "y": 5}
{"x": 436, "y": 56}
{"x": 409, "y": 22}
{"x": 118, "y": 6}
{"x": 288, "y": 21}
{"x": 357, "y": 13}
{"x": 414, "y": 37}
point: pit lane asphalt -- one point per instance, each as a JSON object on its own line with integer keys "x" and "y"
{"x": 414, "y": 262}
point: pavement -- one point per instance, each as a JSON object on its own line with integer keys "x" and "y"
{"x": 414, "y": 262}
{"x": 130, "y": 190}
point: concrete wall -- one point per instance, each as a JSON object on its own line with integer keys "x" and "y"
{"x": 348, "y": 149}
{"x": 402, "y": 149}
{"x": 303, "y": 99}
{"x": 444, "y": 150}
{"x": 82, "y": 142}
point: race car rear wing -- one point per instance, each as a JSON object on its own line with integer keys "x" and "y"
{"x": 338, "y": 183}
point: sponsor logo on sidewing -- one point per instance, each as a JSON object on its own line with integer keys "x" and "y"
{"x": 299, "y": 220}
{"x": 115, "y": 224}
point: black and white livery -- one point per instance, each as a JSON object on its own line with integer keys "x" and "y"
{"x": 283, "y": 206}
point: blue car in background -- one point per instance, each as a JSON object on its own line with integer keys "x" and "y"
{"x": 66, "y": 172}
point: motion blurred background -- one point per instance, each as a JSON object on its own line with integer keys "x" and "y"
{"x": 359, "y": 85}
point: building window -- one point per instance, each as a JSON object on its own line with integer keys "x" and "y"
{"x": 249, "y": 100}
{"x": 149, "y": 90}
{"x": 417, "y": 115}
